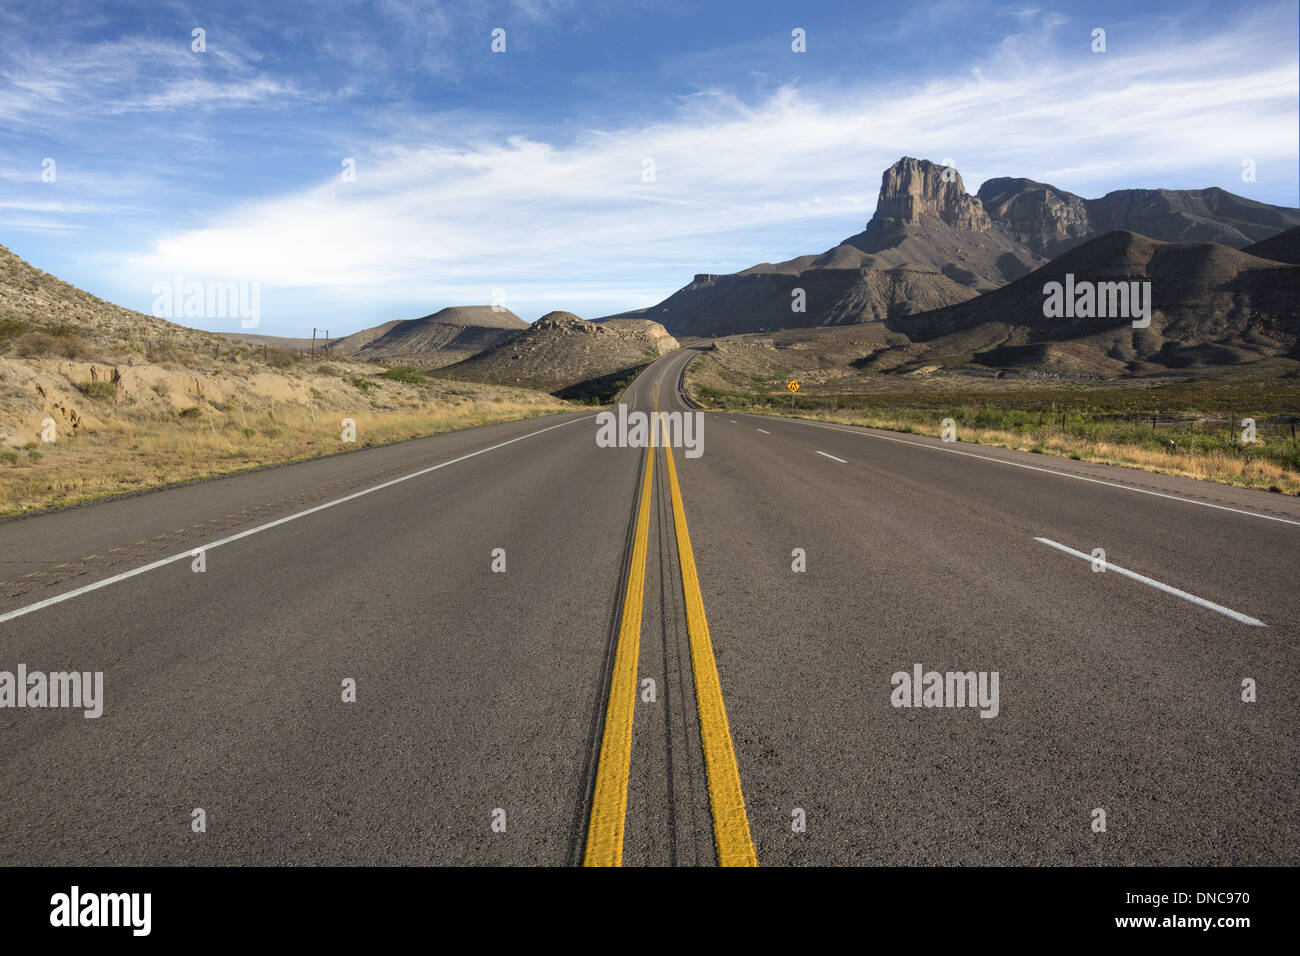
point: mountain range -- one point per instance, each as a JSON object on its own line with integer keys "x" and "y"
{"x": 939, "y": 278}
{"x": 930, "y": 245}
{"x": 1211, "y": 305}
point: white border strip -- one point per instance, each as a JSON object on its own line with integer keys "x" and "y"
{"x": 1050, "y": 471}
{"x": 95, "y": 586}
{"x": 1228, "y": 612}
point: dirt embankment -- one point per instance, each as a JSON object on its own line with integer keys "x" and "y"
{"x": 71, "y": 430}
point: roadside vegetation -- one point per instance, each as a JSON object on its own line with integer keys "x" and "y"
{"x": 235, "y": 410}
{"x": 406, "y": 373}
{"x": 1190, "y": 429}
{"x": 603, "y": 391}
{"x": 97, "y": 400}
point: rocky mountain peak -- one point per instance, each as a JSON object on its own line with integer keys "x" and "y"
{"x": 1040, "y": 216}
{"x": 913, "y": 189}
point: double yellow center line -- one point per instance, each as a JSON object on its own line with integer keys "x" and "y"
{"x": 609, "y": 800}
{"x": 731, "y": 837}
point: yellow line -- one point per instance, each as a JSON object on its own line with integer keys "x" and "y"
{"x": 609, "y": 802}
{"x": 730, "y": 825}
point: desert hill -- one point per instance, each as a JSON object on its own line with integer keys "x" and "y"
{"x": 351, "y": 344}
{"x": 443, "y": 338}
{"x": 568, "y": 356}
{"x": 275, "y": 341}
{"x": 1284, "y": 247}
{"x": 96, "y": 399}
{"x": 33, "y": 302}
{"x": 1210, "y": 305}
{"x": 714, "y": 305}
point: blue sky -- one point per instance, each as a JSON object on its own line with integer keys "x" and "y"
{"x": 522, "y": 173}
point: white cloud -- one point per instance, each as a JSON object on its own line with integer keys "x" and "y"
{"x": 492, "y": 210}
{"x": 53, "y": 227}
{"x": 127, "y": 75}
{"x": 51, "y": 206}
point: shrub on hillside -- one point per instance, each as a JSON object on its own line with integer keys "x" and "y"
{"x": 41, "y": 345}
{"x": 12, "y": 328}
{"x": 405, "y": 373}
{"x": 92, "y": 389}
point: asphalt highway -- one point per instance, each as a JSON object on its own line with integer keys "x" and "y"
{"x": 650, "y": 681}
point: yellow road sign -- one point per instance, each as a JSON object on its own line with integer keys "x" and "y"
{"x": 793, "y": 385}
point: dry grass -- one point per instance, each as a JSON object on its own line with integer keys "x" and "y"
{"x": 41, "y": 345}
{"x": 138, "y": 401}
{"x": 126, "y": 454}
{"x": 1190, "y": 428}
{"x": 1243, "y": 469}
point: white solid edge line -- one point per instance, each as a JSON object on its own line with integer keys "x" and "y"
{"x": 1049, "y": 471}
{"x": 96, "y": 585}
{"x": 831, "y": 457}
{"x": 1227, "y": 611}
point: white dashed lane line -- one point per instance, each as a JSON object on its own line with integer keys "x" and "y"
{"x": 832, "y": 458}
{"x": 193, "y": 552}
{"x": 1048, "y": 471}
{"x": 1227, "y": 612}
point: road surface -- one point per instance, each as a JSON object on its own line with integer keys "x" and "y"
{"x": 497, "y": 722}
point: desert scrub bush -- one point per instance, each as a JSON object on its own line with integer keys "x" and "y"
{"x": 8, "y": 456}
{"x": 191, "y": 412}
{"x": 34, "y": 455}
{"x": 405, "y": 373}
{"x": 12, "y": 328}
{"x": 101, "y": 390}
{"x": 167, "y": 349}
{"x": 281, "y": 358}
{"x": 43, "y": 345}
{"x": 363, "y": 383}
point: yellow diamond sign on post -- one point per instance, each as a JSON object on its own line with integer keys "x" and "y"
{"x": 792, "y": 385}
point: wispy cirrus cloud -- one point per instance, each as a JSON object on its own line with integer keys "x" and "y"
{"x": 77, "y": 80}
